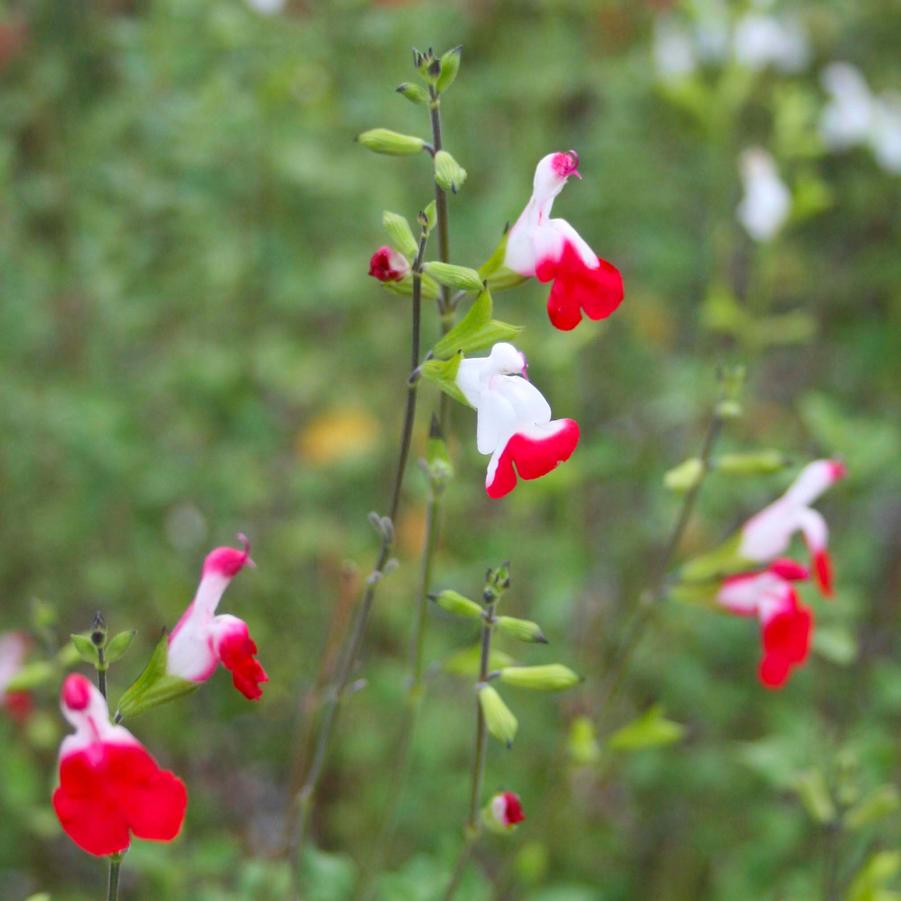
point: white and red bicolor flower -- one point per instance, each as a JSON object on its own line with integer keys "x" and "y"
{"x": 552, "y": 250}
{"x": 201, "y": 640}
{"x": 513, "y": 422}
{"x": 388, "y": 265}
{"x": 13, "y": 648}
{"x": 110, "y": 787}
{"x": 767, "y": 534}
{"x": 786, "y": 623}
{"x": 505, "y": 810}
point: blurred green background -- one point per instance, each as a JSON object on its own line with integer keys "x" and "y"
{"x": 190, "y": 345}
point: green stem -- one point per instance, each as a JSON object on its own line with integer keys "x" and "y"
{"x": 112, "y": 888}
{"x": 305, "y": 797}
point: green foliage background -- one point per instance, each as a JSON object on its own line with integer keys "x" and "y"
{"x": 189, "y": 345}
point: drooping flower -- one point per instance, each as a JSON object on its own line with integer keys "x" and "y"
{"x": 767, "y": 201}
{"x": 110, "y": 787}
{"x": 504, "y": 811}
{"x": 388, "y": 265}
{"x": 786, "y": 624}
{"x": 13, "y": 647}
{"x": 762, "y": 40}
{"x": 767, "y": 535}
{"x": 201, "y": 640}
{"x": 514, "y": 422}
{"x": 552, "y": 250}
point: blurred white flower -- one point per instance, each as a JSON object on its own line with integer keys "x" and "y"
{"x": 711, "y": 29}
{"x": 673, "y": 49}
{"x": 847, "y": 117}
{"x": 267, "y": 7}
{"x": 885, "y": 135}
{"x": 767, "y": 201}
{"x": 761, "y": 40}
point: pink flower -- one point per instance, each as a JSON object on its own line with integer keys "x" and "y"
{"x": 387, "y": 265}
{"x": 110, "y": 788}
{"x": 513, "y": 420}
{"x": 767, "y": 534}
{"x": 201, "y": 640}
{"x": 506, "y": 810}
{"x": 13, "y": 647}
{"x": 552, "y": 250}
{"x": 786, "y": 623}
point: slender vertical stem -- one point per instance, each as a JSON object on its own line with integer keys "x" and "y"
{"x": 101, "y": 671}
{"x": 112, "y": 887}
{"x": 305, "y": 797}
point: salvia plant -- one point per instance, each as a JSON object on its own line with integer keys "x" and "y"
{"x": 111, "y": 790}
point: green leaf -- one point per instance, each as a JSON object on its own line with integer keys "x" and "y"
{"x": 31, "y": 676}
{"x": 119, "y": 644}
{"x": 650, "y": 730}
{"x": 444, "y": 374}
{"x": 461, "y": 277}
{"x": 870, "y": 879}
{"x": 400, "y": 234}
{"x": 814, "y": 794}
{"x": 583, "y": 742}
{"x": 493, "y": 270}
{"x": 154, "y": 686}
{"x": 880, "y": 803}
{"x": 86, "y": 648}
{"x": 392, "y": 143}
{"x": 450, "y": 66}
{"x": 476, "y": 330}
{"x": 466, "y": 662}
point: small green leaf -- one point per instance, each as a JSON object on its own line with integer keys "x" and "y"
{"x": 86, "y": 648}
{"x": 449, "y": 174}
{"x": 154, "y": 686}
{"x": 523, "y": 629}
{"x": 879, "y": 869}
{"x": 415, "y": 93}
{"x": 476, "y": 330}
{"x": 880, "y": 803}
{"x": 499, "y": 718}
{"x": 814, "y": 795}
{"x": 444, "y": 374}
{"x": 450, "y": 66}
{"x": 461, "y": 277}
{"x": 393, "y": 143}
{"x": 550, "y": 677}
{"x": 119, "y": 644}
{"x": 456, "y": 603}
{"x": 400, "y": 234}
{"x": 650, "y": 730}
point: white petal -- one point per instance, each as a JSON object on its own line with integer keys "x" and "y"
{"x": 496, "y": 420}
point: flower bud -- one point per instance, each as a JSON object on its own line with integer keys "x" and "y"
{"x": 685, "y": 476}
{"x": 583, "y": 742}
{"x": 760, "y": 463}
{"x": 400, "y": 234}
{"x": 454, "y": 602}
{"x": 523, "y": 629}
{"x": 450, "y": 66}
{"x": 551, "y": 677}
{"x": 413, "y": 92}
{"x": 503, "y": 812}
{"x": 454, "y": 276}
{"x": 387, "y": 265}
{"x": 383, "y": 140}
{"x": 499, "y": 719}
{"x": 449, "y": 174}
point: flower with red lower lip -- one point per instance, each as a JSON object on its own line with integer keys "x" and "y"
{"x": 387, "y": 265}
{"x": 786, "y": 623}
{"x": 13, "y": 647}
{"x": 513, "y": 421}
{"x": 552, "y": 250}
{"x": 201, "y": 640}
{"x": 768, "y": 534}
{"x": 504, "y": 810}
{"x": 110, "y": 788}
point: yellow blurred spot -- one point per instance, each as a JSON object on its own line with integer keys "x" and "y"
{"x": 411, "y": 531}
{"x": 340, "y": 434}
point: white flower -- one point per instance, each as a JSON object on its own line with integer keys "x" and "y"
{"x": 848, "y": 116}
{"x": 762, "y": 41}
{"x": 767, "y": 201}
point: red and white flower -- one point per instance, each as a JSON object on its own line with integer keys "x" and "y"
{"x": 785, "y": 622}
{"x": 388, "y": 265}
{"x": 552, "y": 250}
{"x": 505, "y": 810}
{"x": 514, "y": 422}
{"x": 13, "y": 648}
{"x": 110, "y": 787}
{"x": 767, "y": 534}
{"x": 201, "y": 640}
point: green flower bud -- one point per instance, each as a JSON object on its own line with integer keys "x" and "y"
{"x": 583, "y": 743}
{"x": 685, "y": 476}
{"x": 428, "y": 217}
{"x": 400, "y": 234}
{"x": 413, "y": 92}
{"x": 439, "y": 468}
{"x": 449, "y": 174}
{"x": 551, "y": 677}
{"x": 454, "y": 602}
{"x": 760, "y": 463}
{"x": 499, "y": 719}
{"x": 450, "y": 66}
{"x": 454, "y": 276}
{"x": 523, "y": 629}
{"x": 86, "y": 648}
{"x": 119, "y": 644}
{"x": 383, "y": 140}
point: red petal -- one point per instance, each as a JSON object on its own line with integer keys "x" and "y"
{"x": 534, "y": 457}
{"x": 822, "y": 563}
{"x": 597, "y": 291}
{"x": 236, "y": 651}
{"x": 786, "y": 643}
{"x": 513, "y": 812}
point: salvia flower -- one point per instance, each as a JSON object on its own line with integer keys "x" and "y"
{"x": 388, "y": 265}
{"x": 552, "y": 250}
{"x": 504, "y": 812}
{"x": 767, "y": 201}
{"x": 201, "y": 640}
{"x": 13, "y": 647}
{"x": 786, "y": 624}
{"x": 110, "y": 787}
{"x": 514, "y": 422}
{"x": 762, "y": 41}
{"x": 767, "y": 534}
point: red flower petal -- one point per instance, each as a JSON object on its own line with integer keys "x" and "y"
{"x": 236, "y": 651}
{"x": 786, "y": 643}
{"x": 513, "y": 812}
{"x": 578, "y": 288}
{"x": 533, "y": 457}
{"x": 822, "y": 564}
